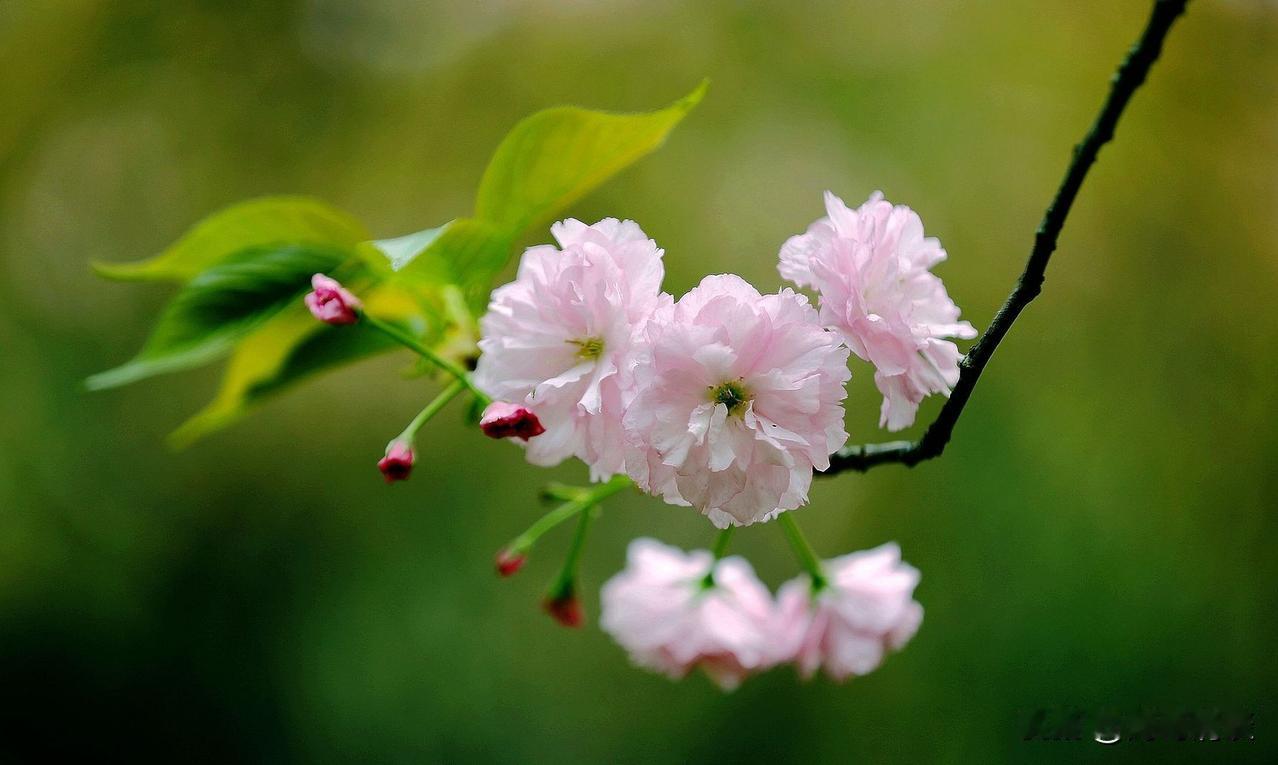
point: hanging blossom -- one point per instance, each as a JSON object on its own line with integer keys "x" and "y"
{"x": 561, "y": 339}
{"x": 871, "y": 268}
{"x": 864, "y": 609}
{"x": 662, "y": 609}
{"x": 739, "y": 399}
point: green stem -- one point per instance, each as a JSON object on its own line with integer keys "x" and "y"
{"x": 413, "y": 344}
{"x": 562, "y": 492}
{"x": 587, "y": 498}
{"x": 431, "y": 409}
{"x": 565, "y": 583}
{"x": 721, "y": 542}
{"x": 720, "y": 547}
{"x": 802, "y": 550}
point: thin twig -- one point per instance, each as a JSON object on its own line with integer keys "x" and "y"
{"x": 1126, "y": 80}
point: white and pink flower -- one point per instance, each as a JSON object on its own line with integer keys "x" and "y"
{"x": 865, "y": 609}
{"x": 871, "y": 267}
{"x": 562, "y": 338}
{"x": 662, "y": 610}
{"x": 739, "y": 399}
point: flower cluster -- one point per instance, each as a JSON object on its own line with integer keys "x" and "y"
{"x": 674, "y": 611}
{"x": 725, "y": 400}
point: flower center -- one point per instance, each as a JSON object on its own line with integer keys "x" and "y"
{"x": 732, "y": 394}
{"x": 589, "y": 348}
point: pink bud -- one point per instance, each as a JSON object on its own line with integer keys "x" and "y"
{"x": 502, "y": 419}
{"x": 330, "y": 302}
{"x": 509, "y": 562}
{"x": 566, "y": 609}
{"x": 398, "y": 462}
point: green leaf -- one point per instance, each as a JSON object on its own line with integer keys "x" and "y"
{"x": 403, "y": 250}
{"x": 288, "y": 348}
{"x": 248, "y": 265}
{"x": 221, "y": 305}
{"x": 255, "y": 223}
{"x": 544, "y": 164}
{"x": 553, "y": 158}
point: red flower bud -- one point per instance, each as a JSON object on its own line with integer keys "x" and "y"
{"x": 502, "y": 419}
{"x": 509, "y": 562}
{"x": 565, "y": 608}
{"x": 397, "y": 465}
{"x": 330, "y": 302}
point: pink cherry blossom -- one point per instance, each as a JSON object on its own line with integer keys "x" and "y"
{"x": 740, "y": 398}
{"x": 871, "y": 267}
{"x": 865, "y": 609}
{"x": 330, "y": 302}
{"x": 662, "y": 612}
{"x": 561, "y": 338}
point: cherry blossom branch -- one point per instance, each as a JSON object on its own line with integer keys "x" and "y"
{"x": 1129, "y": 77}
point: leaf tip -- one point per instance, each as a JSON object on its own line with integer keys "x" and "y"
{"x": 186, "y": 434}
{"x": 200, "y": 425}
{"x": 111, "y": 378}
{"x": 692, "y": 99}
{"x": 119, "y": 272}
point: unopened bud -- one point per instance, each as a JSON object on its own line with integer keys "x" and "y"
{"x": 565, "y": 608}
{"x": 397, "y": 465}
{"x": 502, "y": 419}
{"x": 330, "y": 302}
{"x": 509, "y": 562}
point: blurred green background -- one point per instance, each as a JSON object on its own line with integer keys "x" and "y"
{"x": 1101, "y": 533}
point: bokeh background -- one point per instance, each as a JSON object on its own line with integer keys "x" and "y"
{"x": 1100, "y": 534}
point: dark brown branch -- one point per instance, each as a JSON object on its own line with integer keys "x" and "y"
{"x": 1126, "y": 80}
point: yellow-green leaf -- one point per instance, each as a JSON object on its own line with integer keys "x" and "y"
{"x": 403, "y": 250}
{"x": 255, "y": 223}
{"x": 551, "y": 159}
{"x": 221, "y": 305}
{"x": 288, "y": 348}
